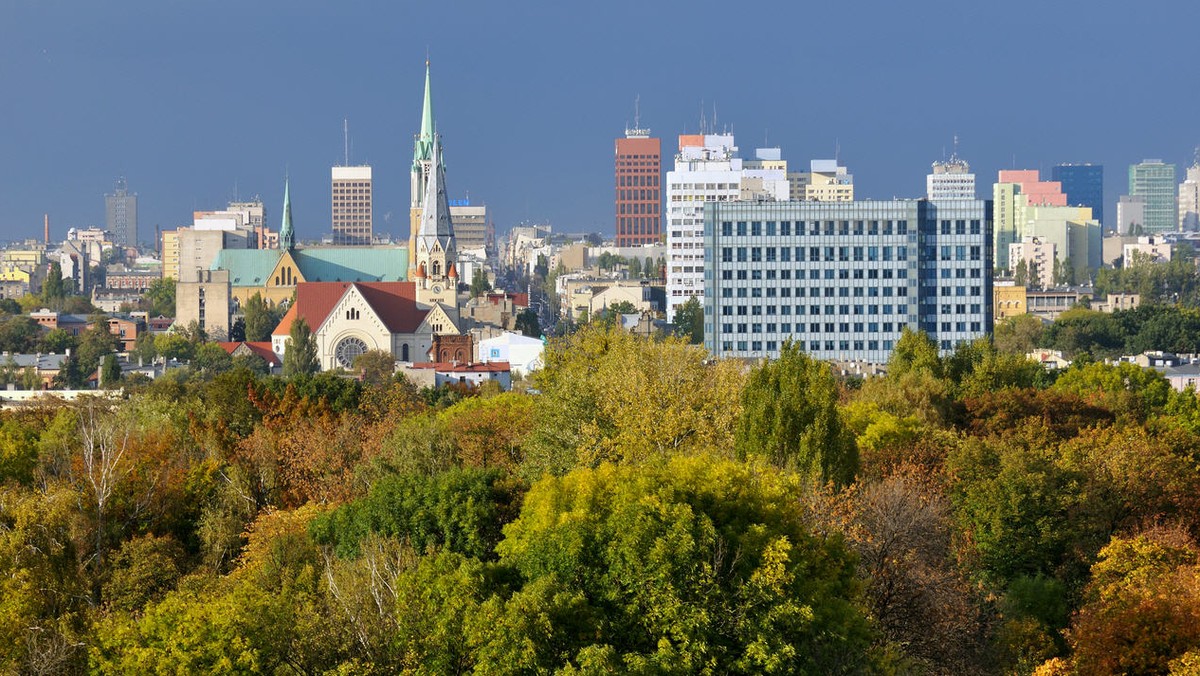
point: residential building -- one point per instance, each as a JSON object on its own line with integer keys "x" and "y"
{"x": 1154, "y": 248}
{"x": 638, "y": 188}
{"x": 1013, "y": 192}
{"x": 351, "y": 205}
{"x": 844, "y": 279}
{"x": 825, "y": 181}
{"x": 1026, "y": 206}
{"x": 1155, "y": 181}
{"x": 170, "y": 254}
{"x": 950, "y": 180}
{"x": 1189, "y": 200}
{"x": 434, "y": 374}
{"x": 1083, "y": 184}
{"x": 707, "y": 171}
{"x": 120, "y": 211}
{"x": 1038, "y": 255}
{"x": 1117, "y": 301}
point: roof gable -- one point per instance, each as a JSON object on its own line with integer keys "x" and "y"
{"x": 393, "y": 302}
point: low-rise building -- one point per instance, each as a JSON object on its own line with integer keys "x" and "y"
{"x": 523, "y": 354}
{"x": 1050, "y": 303}
{"x": 432, "y": 374}
{"x": 1008, "y": 299}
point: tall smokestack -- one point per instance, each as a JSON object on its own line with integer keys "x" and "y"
{"x": 46, "y": 230}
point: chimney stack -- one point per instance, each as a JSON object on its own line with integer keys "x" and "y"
{"x": 46, "y": 230}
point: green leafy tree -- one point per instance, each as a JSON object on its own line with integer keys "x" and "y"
{"x": 159, "y": 299}
{"x": 261, "y": 319}
{"x": 58, "y": 341}
{"x": 649, "y": 269}
{"x": 110, "y": 372}
{"x": 623, "y": 307}
{"x": 53, "y": 289}
{"x": 527, "y": 323}
{"x": 96, "y": 342}
{"x": 479, "y": 283}
{"x": 689, "y": 321}
{"x": 635, "y": 267}
{"x": 1019, "y": 334}
{"x": 376, "y": 366}
{"x": 1021, "y": 273}
{"x": 300, "y": 355}
{"x": 790, "y": 417}
{"x": 691, "y": 565}
{"x": 19, "y": 335}
{"x": 211, "y": 358}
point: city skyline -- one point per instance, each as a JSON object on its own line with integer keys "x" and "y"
{"x": 529, "y": 111}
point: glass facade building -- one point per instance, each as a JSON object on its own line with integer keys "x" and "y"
{"x": 844, "y": 279}
{"x": 1155, "y": 181}
{"x": 1084, "y": 186}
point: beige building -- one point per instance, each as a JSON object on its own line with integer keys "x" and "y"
{"x": 170, "y": 254}
{"x": 203, "y": 297}
{"x": 199, "y": 248}
{"x": 1118, "y": 301}
{"x": 351, "y": 209}
{"x": 1189, "y": 200}
{"x": 825, "y": 181}
{"x": 470, "y": 225}
{"x": 1153, "y": 248}
{"x": 1008, "y": 300}
{"x": 1050, "y": 303}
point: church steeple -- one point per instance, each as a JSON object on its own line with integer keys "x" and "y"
{"x": 435, "y": 272}
{"x": 423, "y": 148}
{"x": 287, "y": 235}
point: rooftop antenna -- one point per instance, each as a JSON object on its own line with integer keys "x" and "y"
{"x": 346, "y": 140}
{"x": 637, "y": 111}
{"x": 837, "y": 149}
{"x": 954, "y": 155}
{"x": 703, "y": 127}
{"x": 1196, "y": 157}
{"x": 714, "y": 120}
{"x": 766, "y": 138}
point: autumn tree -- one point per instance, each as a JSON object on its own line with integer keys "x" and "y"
{"x": 1142, "y": 607}
{"x": 609, "y": 395}
{"x": 790, "y": 418}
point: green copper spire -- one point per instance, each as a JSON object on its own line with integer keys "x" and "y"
{"x": 423, "y": 149}
{"x": 286, "y": 234}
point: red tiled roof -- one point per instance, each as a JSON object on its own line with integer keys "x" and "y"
{"x": 448, "y": 367}
{"x": 260, "y": 348}
{"x": 518, "y": 299}
{"x": 394, "y": 302}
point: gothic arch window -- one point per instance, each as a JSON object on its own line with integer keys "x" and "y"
{"x": 437, "y": 268}
{"x": 458, "y": 355}
{"x": 347, "y": 350}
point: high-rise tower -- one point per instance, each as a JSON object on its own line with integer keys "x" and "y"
{"x": 121, "y": 214}
{"x": 1083, "y": 185}
{"x": 1155, "y": 181}
{"x": 639, "y": 194}
{"x": 351, "y": 205}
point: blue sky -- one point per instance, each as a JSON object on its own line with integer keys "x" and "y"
{"x": 190, "y": 99}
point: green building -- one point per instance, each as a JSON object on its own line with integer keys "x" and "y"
{"x": 1155, "y": 181}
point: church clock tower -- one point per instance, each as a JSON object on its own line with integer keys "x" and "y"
{"x": 435, "y": 273}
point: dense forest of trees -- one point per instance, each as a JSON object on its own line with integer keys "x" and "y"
{"x": 648, "y": 511}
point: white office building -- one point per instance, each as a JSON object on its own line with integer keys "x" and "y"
{"x": 951, "y": 180}
{"x": 709, "y": 171}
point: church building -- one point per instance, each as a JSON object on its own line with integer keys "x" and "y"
{"x": 406, "y": 318}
